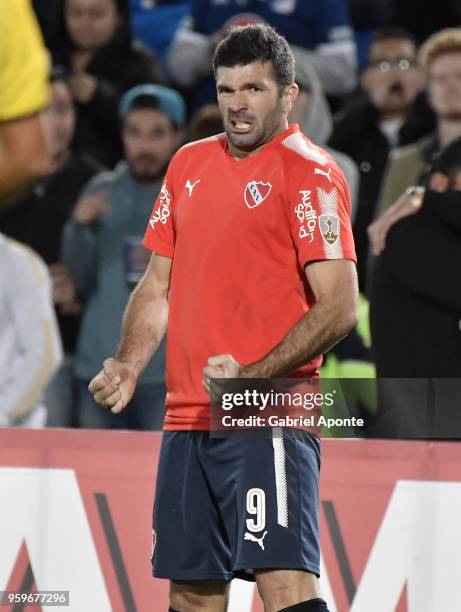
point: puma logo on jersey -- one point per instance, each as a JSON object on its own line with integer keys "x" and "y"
{"x": 320, "y": 171}
{"x": 190, "y": 186}
{"x": 252, "y": 538}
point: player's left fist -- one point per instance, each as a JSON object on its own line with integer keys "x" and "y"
{"x": 220, "y": 366}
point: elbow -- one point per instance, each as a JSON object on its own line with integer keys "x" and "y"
{"x": 351, "y": 320}
{"x": 347, "y": 318}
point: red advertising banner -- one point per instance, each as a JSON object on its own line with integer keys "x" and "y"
{"x": 76, "y": 514}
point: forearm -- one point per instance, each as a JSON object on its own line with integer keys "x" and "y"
{"x": 23, "y": 154}
{"x": 318, "y": 330}
{"x": 144, "y": 325}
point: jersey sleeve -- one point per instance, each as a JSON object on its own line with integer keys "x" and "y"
{"x": 160, "y": 233}
{"x": 24, "y": 62}
{"x": 319, "y": 211}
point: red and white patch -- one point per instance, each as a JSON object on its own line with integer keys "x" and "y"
{"x": 256, "y": 192}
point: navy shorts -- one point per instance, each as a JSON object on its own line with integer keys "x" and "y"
{"x": 227, "y": 506}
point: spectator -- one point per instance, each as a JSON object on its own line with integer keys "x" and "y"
{"x": 102, "y": 249}
{"x": 38, "y": 219}
{"x": 23, "y": 95}
{"x": 372, "y": 126}
{"x": 441, "y": 59}
{"x": 29, "y": 339}
{"x": 367, "y": 16}
{"x": 38, "y": 215}
{"x": 320, "y": 30}
{"x": 416, "y": 310}
{"x": 415, "y": 300}
{"x": 94, "y": 42}
{"x": 155, "y": 22}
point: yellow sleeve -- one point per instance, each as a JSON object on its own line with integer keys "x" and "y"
{"x": 24, "y": 63}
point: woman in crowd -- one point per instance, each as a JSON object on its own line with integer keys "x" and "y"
{"x": 94, "y": 42}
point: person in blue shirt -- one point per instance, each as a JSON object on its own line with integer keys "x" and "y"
{"x": 321, "y": 31}
{"x": 103, "y": 253}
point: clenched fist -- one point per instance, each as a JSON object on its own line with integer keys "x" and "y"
{"x": 114, "y": 386}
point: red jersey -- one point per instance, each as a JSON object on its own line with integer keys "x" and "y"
{"x": 240, "y": 233}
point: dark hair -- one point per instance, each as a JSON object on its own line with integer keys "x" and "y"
{"x": 391, "y": 31}
{"x": 448, "y": 161}
{"x": 257, "y": 42}
{"x": 62, "y": 45}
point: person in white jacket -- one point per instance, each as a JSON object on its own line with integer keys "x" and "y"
{"x": 30, "y": 346}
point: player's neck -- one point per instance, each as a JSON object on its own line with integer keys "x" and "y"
{"x": 238, "y": 153}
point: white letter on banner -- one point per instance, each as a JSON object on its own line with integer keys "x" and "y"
{"x": 44, "y": 508}
{"x": 418, "y": 544}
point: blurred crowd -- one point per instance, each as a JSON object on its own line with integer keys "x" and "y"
{"x": 131, "y": 81}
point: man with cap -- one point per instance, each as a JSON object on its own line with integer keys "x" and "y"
{"x": 102, "y": 249}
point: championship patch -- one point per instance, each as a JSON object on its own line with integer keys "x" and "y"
{"x": 329, "y": 228}
{"x": 256, "y": 192}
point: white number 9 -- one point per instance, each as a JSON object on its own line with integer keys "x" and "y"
{"x": 256, "y": 504}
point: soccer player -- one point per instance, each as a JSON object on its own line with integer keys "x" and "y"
{"x": 253, "y": 271}
{"x": 24, "y": 155}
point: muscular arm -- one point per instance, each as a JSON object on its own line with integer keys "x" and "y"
{"x": 334, "y": 314}
{"x": 146, "y": 316}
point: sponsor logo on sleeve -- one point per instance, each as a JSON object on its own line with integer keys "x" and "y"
{"x": 163, "y": 210}
{"x": 306, "y": 215}
{"x": 256, "y": 192}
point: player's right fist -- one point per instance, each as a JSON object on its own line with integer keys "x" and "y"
{"x": 114, "y": 386}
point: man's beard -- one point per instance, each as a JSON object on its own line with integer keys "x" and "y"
{"x": 146, "y": 176}
{"x": 260, "y": 136}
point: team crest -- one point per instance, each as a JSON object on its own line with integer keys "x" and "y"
{"x": 329, "y": 228}
{"x": 256, "y": 192}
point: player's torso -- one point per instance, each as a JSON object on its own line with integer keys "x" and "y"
{"x": 232, "y": 208}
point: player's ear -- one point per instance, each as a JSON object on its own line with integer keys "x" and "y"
{"x": 289, "y": 96}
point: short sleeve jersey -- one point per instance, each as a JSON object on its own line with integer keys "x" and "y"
{"x": 24, "y": 63}
{"x": 240, "y": 233}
